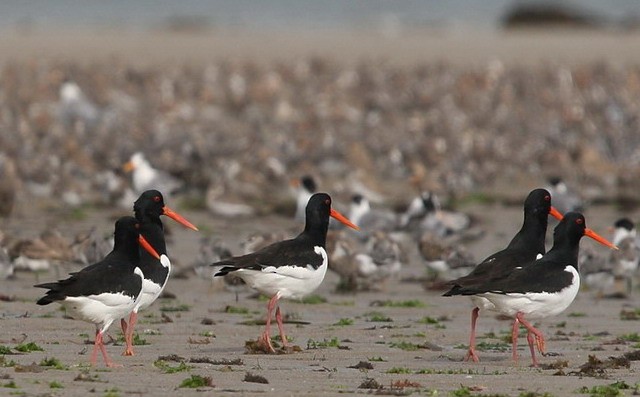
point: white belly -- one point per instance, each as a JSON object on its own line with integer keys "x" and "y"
{"x": 150, "y": 290}
{"x": 292, "y": 282}
{"x": 100, "y": 309}
{"x": 539, "y": 304}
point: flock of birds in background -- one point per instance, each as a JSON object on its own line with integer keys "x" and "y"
{"x": 280, "y": 268}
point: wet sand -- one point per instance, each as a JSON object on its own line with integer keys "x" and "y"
{"x": 462, "y": 48}
{"x": 419, "y": 351}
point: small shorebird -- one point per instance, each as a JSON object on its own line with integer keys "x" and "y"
{"x": 370, "y": 220}
{"x": 290, "y": 268}
{"x": 107, "y": 290}
{"x": 564, "y": 199}
{"x": 624, "y": 262}
{"x": 145, "y": 176}
{"x": 303, "y": 190}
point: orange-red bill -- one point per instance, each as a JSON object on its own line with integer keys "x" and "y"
{"x": 178, "y": 218}
{"x": 145, "y": 244}
{"x": 555, "y": 213}
{"x": 128, "y": 166}
{"x": 335, "y": 214}
{"x": 590, "y": 233}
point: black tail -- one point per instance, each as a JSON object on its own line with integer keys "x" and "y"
{"x": 52, "y": 295}
{"x": 222, "y": 268}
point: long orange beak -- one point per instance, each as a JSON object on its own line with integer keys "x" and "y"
{"x": 590, "y": 233}
{"x": 555, "y": 213}
{"x": 145, "y": 244}
{"x": 128, "y": 166}
{"x": 178, "y": 218}
{"x": 336, "y": 215}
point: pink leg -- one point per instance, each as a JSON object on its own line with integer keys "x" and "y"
{"x": 128, "y": 336}
{"x": 514, "y": 339}
{"x": 532, "y": 349}
{"x": 265, "y": 338}
{"x": 281, "y": 327}
{"x": 123, "y": 325}
{"x": 94, "y": 354}
{"x": 539, "y": 337}
{"x": 471, "y": 354}
{"x": 99, "y": 344}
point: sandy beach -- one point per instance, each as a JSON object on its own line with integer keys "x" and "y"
{"x": 401, "y": 340}
{"x": 410, "y": 340}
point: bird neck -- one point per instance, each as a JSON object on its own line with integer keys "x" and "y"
{"x": 154, "y": 234}
{"x": 532, "y": 234}
{"x": 315, "y": 235}
{"x": 565, "y": 252}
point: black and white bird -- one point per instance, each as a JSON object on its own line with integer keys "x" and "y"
{"x": 612, "y": 274}
{"x": 148, "y": 208}
{"x": 624, "y": 261}
{"x": 525, "y": 247}
{"x": 364, "y": 265}
{"x": 107, "y": 290}
{"x": 564, "y": 199}
{"x": 542, "y": 288}
{"x": 425, "y": 214}
{"x": 145, "y": 176}
{"x": 368, "y": 219}
{"x": 288, "y": 269}
{"x": 304, "y": 188}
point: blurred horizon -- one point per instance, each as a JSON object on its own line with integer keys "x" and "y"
{"x": 283, "y": 15}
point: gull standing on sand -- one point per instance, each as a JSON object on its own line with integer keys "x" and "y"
{"x": 145, "y": 177}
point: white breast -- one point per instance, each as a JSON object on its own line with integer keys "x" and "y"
{"x": 537, "y": 304}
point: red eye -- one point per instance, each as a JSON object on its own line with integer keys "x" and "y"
{"x": 156, "y": 199}
{"x": 547, "y": 198}
{"x": 579, "y": 221}
{"x": 327, "y": 202}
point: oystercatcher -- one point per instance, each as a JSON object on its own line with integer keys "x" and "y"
{"x": 542, "y": 288}
{"x": 525, "y": 247}
{"x": 148, "y": 208}
{"x": 107, "y": 290}
{"x": 290, "y": 268}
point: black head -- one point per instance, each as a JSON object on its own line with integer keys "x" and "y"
{"x": 309, "y": 183}
{"x": 318, "y": 209}
{"x": 570, "y": 229}
{"x": 430, "y": 201}
{"x": 126, "y": 231}
{"x": 624, "y": 223}
{"x": 357, "y": 198}
{"x": 555, "y": 180}
{"x": 150, "y": 203}
{"x": 538, "y": 202}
